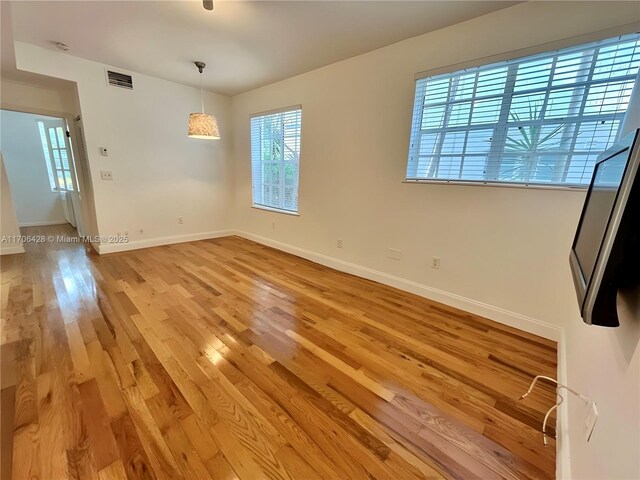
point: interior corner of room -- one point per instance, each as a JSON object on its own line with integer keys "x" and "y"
{"x": 366, "y": 224}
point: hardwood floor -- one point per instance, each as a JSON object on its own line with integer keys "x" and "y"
{"x": 228, "y": 359}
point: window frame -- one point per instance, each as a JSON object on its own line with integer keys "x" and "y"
{"x": 44, "y": 128}
{"x": 510, "y": 60}
{"x": 281, "y": 162}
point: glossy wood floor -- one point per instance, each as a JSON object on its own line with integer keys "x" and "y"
{"x": 227, "y": 359}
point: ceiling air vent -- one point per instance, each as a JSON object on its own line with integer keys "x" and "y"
{"x": 122, "y": 80}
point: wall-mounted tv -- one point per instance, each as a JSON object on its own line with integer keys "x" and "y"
{"x": 605, "y": 256}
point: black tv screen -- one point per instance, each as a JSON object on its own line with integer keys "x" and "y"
{"x": 602, "y": 198}
{"x": 604, "y": 257}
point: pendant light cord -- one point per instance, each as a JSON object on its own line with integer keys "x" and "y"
{"x": 201, "y": 93}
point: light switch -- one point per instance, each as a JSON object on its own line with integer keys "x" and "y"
{"x": 106, "y": 175}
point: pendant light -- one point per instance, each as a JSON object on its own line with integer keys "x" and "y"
{"x": 202, "y": 125}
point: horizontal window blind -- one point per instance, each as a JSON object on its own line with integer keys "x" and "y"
{"x": 275, "y": 158}
{"x": 542, "y": 119}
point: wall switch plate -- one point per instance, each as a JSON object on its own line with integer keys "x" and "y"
{"x": 590, "y": 420}
{"x": 104, "y": 152}
{"x": 435, "y": 263}
{"x": 105, "y": 175}
{"x": 393, "y": 253}
{"x": 180, "y": 220}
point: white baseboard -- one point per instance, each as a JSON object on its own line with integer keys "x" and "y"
{"x": 506, "y": 317}
{"x": 103, "y": 248}
{"x": 43, "y": 224}
{"x": 501, "y": 315}
{"x": 10, "y": 250}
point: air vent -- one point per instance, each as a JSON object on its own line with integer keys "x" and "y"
{"x": 122, "y": 80}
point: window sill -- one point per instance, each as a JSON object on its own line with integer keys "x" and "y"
{"x": 275, "y": 210}
{"x": 480, "y": 183}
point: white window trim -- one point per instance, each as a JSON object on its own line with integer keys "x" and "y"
{"x": 627, "y": 29}
{"x": 275, "y": 210}
{"x": 290, "y": 108}
{"x": 269, "y": 208}
{"x": 50, "y": 160}
{"x": 480, "y": 183}
{"x": 540, "y": 48}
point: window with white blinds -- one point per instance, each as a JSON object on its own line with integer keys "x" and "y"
{"x": 542, "y": 119}
{"x": 275, "y": 158}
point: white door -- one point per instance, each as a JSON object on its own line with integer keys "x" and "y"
{"x": 83, "y": 200}
{"x": 63, "y": 171}
{"x": 60, "y": 156}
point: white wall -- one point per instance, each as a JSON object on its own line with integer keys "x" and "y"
{"x": 499, "y": 246}
{"x": 29, "y": 96}
{"x": 9, "y": 230}
{"x": 504, "y": 251}
{"x": 35, "y": 202}
{"x": 604, "y": 364}
{"x": 24, "y": 96}
{"x": 158, "y": 173}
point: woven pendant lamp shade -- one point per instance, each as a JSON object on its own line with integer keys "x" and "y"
{"x": 202, "y": 125}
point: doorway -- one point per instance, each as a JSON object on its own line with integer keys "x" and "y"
{"x": 41, "y": 169}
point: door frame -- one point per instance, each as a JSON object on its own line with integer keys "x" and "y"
{"x": 80, "y": 162}
{"x": 72, "y": 164}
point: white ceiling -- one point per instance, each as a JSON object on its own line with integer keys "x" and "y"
{"x": 246, "y": 44}
{"x": 7, "y": 56}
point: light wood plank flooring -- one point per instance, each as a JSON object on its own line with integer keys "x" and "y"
{"x": 227, "y": 359}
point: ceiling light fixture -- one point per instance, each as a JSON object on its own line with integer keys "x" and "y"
{"x": 202, "y": 125}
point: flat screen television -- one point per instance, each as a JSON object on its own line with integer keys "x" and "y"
{"x": 605, "y": 255}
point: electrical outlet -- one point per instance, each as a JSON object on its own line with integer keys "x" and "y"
{"x": 106, "y": 175}
{"x": 393, "y": 253}
{"x": 180, "y": 220}
{"x": 435, "y": 263}
{"x": 590, "y": 420}
{"x": 273, "y": 225}
{"x": 339, "y": 244}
